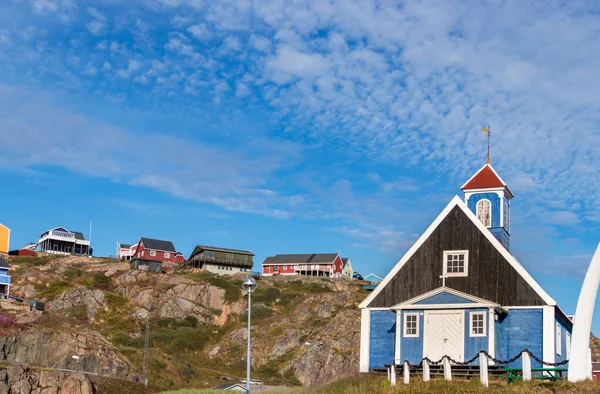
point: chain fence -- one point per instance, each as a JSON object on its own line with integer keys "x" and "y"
{"x": 491, "y": 358}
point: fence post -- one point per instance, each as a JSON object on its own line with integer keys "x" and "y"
{"x": 447, "y": 369}
{"x": 406, "y": 372}
{"x": 393, "y": 379}
{"x": 526, "y": 360}
{"x": 483, "y": 369}
{"x": 389, "y": 371}
{"x": 426, "y": 374}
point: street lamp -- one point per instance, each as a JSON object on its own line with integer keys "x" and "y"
{"x": 249, "y": 285}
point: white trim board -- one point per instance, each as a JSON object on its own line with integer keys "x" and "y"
{"x": 365, "y": 340}
{"x": 457, "y": 201}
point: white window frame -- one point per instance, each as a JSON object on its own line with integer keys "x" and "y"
{"x": 568, "y": 340}
{"x": 505, "y": 215}
{"x": 405, "y": 325}
{"x": 558, "y": 339}
{"x": 275, "y": 268}
{"x": 167, "y": 255}
{"x": 483, "y": 200}
{"x": 153, "y": 253}
{"x": 454, "y": 252}
{"x": 471, "y": 333}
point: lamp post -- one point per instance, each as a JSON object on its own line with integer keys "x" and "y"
{"x": 249, "y": 285}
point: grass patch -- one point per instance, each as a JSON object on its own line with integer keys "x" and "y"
{"x": 73, "y": 273}
{"x": 99, "y": 281}
{"x": 31, "y": 261}
{"x": 259, "y": 312}
{"x": 79, "y": 313}
{"x": 266, "y": 295}
{"x": 51, "y": 289}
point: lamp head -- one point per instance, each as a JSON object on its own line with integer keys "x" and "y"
{"x": 249, "y": 285}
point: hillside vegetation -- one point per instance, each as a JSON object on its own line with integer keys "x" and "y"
{"x": 305, "y": 330}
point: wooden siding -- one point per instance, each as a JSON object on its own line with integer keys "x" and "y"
{"x": 520, "y": 329}
{"x": 4, "y": 238}
{"x": 221, "y": 257}
{"x": 382, "y": 339}
{"x": 411, "y": 348}
{"x": 473, "y": 345}
{"x": 491, "y": 277}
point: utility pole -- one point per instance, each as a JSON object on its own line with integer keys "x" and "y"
{"x": 90, "y": 246}
{"x": 146, "y": 343}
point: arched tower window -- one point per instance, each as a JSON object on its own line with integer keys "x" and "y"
{"x": 484, "y": 212}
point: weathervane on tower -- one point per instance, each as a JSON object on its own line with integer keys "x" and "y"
{"x": 487, "y": 161}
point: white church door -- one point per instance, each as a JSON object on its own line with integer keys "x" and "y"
{"x": 444, "y": 335}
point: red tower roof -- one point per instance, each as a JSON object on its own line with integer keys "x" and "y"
{"x": 485, "y": 178}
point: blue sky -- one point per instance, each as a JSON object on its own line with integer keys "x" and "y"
{"x": 305, "y": 126}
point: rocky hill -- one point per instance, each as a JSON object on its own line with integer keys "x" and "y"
{"x": 305, "y": 330}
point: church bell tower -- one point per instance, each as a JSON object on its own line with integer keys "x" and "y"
{"x": 487, "y": 195}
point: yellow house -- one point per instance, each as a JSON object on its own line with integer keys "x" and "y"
{"x": 4, "y": 238}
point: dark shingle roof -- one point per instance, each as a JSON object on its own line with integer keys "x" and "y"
{"x": 125, "y": 246}
{"x": 157, "y": 244}
{"x": 314, "y": 258}
{"x": 3, "y": 263}
{"x": 78, "y": 235}
{"x": 200, "y": 248}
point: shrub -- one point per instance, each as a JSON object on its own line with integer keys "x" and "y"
{"x": 191, "y": 321}
{"x": 51, "y": 289}
{"x": 259, "y": 312}
{"x": 268, "y": 295}
{"x": 79, "y": 313}
{"x": 99, "y": 281}
{"x": 72, "y": 273}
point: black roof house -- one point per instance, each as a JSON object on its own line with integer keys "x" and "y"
{"x": 157, "y": 244}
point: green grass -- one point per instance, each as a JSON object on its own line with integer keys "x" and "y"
{"x": 51, "y": 289}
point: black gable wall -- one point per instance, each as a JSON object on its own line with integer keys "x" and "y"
{"x": 491, "y": 277}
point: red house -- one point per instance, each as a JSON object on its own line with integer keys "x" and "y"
{"x": 320, "y": 264}
{"x": 157, "y": 250}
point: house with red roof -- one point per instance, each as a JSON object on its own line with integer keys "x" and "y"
{"x": 315, "y": 264}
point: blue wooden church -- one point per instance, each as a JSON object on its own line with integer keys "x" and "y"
{"x": 458, "y": 290}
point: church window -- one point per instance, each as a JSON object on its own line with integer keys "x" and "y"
{"x": 411, "y": 325}
{"x": 456, "y": 263}
{"x": 477, "y": 324}
{"x": 484, "y": 212}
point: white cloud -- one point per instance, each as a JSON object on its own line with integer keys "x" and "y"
{"x": 290, "y": 63}
{"x": 96, "y": 27}
{"x": 234, "y": 180}
{"x": 200, "y": 31}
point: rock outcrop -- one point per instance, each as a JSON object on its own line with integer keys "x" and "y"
{"x": 332, "y": 352}
{"x": 55, "y": 349}
{"x": 19, "y": 379}
{"x": 79, "y": 297}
